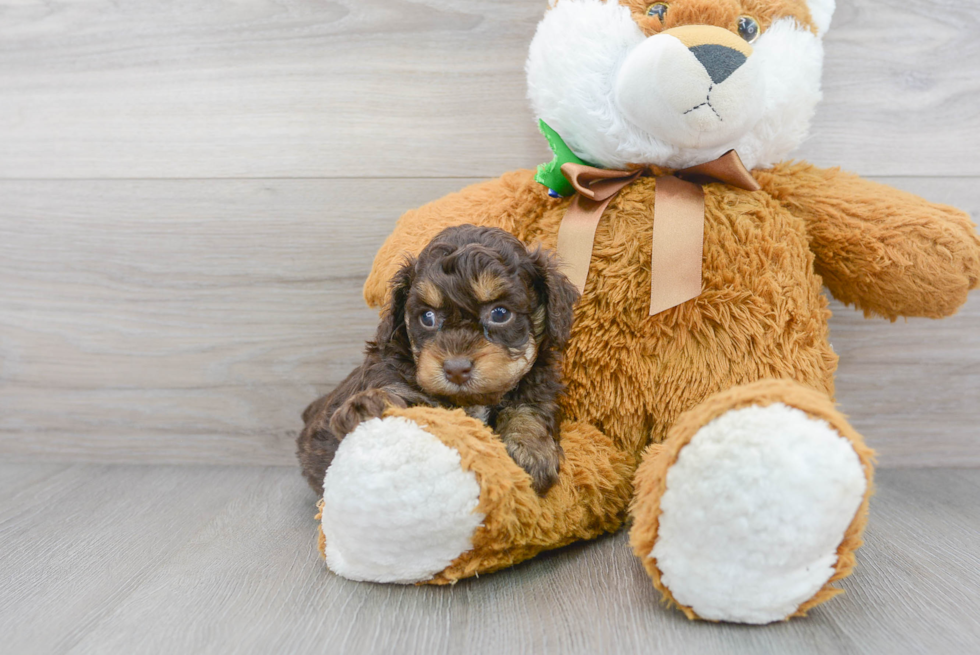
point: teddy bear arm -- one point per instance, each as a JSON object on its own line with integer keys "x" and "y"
{"x": 506, "y": 202}
{"x": 430, "y": 495}
{"x": 886, "y": 251}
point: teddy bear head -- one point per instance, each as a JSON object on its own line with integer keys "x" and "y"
{"x": 678, "y": 83}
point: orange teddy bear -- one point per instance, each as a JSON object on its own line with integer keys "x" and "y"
{"x": 700, "y": 376}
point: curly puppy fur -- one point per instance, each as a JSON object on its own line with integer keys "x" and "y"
{"x": 475, "y": 322}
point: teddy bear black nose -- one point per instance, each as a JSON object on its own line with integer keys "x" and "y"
{"x": 458, "y": 369}
{"x": 720, "y": 61}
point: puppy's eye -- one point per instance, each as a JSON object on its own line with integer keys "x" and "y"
{"x": 500, "y": 315}
{"x": 748, "y": 28}
{"x": 428, "y": 319}
{"x": 658, "y": 9}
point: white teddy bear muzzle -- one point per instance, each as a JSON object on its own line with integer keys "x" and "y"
{"x": 692, "y": 87}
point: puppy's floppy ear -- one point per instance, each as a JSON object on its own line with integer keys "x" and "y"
{"x": 557, "y": 296}
{"x": 392, "y": 328}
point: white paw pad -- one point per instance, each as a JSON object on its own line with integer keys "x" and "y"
{"x": 755, "y": 508}
{"x": 398, "y": 507}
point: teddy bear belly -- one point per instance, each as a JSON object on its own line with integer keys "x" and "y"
{"x": 761, "y": 315}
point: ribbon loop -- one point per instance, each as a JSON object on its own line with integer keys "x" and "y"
{"x": 597, "y": 183}
{"x": 728, "y": 169}
{"x": 678, "y": 228}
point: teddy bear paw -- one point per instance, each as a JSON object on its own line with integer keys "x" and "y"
{"x": 397, "y": 505}
{"x": 754, "y": 510}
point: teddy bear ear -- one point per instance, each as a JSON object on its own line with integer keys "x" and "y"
{"x": 822, "y": 11}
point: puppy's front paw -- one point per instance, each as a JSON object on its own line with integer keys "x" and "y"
{"x": 541, "y": 458}
{"x": 529, "y": 442}
{"x": 361, "y": 407}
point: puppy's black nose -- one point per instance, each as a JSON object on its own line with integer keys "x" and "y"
{"x": 458, "y": 369}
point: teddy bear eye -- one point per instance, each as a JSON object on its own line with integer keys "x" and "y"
{"x": 748, "y": 28}
{"x": 658, "y": 9}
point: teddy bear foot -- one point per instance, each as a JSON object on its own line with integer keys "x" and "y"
{"x": 753, "y": 505}
{"x": 397, "y": 505}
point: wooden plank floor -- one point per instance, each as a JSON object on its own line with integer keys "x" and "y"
{"x": 160, "y": 559}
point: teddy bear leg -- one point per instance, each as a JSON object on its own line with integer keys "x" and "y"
{"x": 754, "y": 504}
{"x": 430, "y": 495}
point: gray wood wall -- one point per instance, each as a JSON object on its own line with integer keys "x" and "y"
{"x": 191, "y": 195}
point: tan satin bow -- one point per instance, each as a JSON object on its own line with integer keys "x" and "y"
{"x": 678, "y": 223}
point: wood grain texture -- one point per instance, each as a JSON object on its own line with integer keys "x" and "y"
{"x": 191, "y": 321}
{"x": 102, "y": 559}
{"x": 395, "y": 88}
{"x": 182, "y": 321}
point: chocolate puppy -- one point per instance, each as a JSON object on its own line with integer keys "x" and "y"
{"x": 476, "y": 322}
